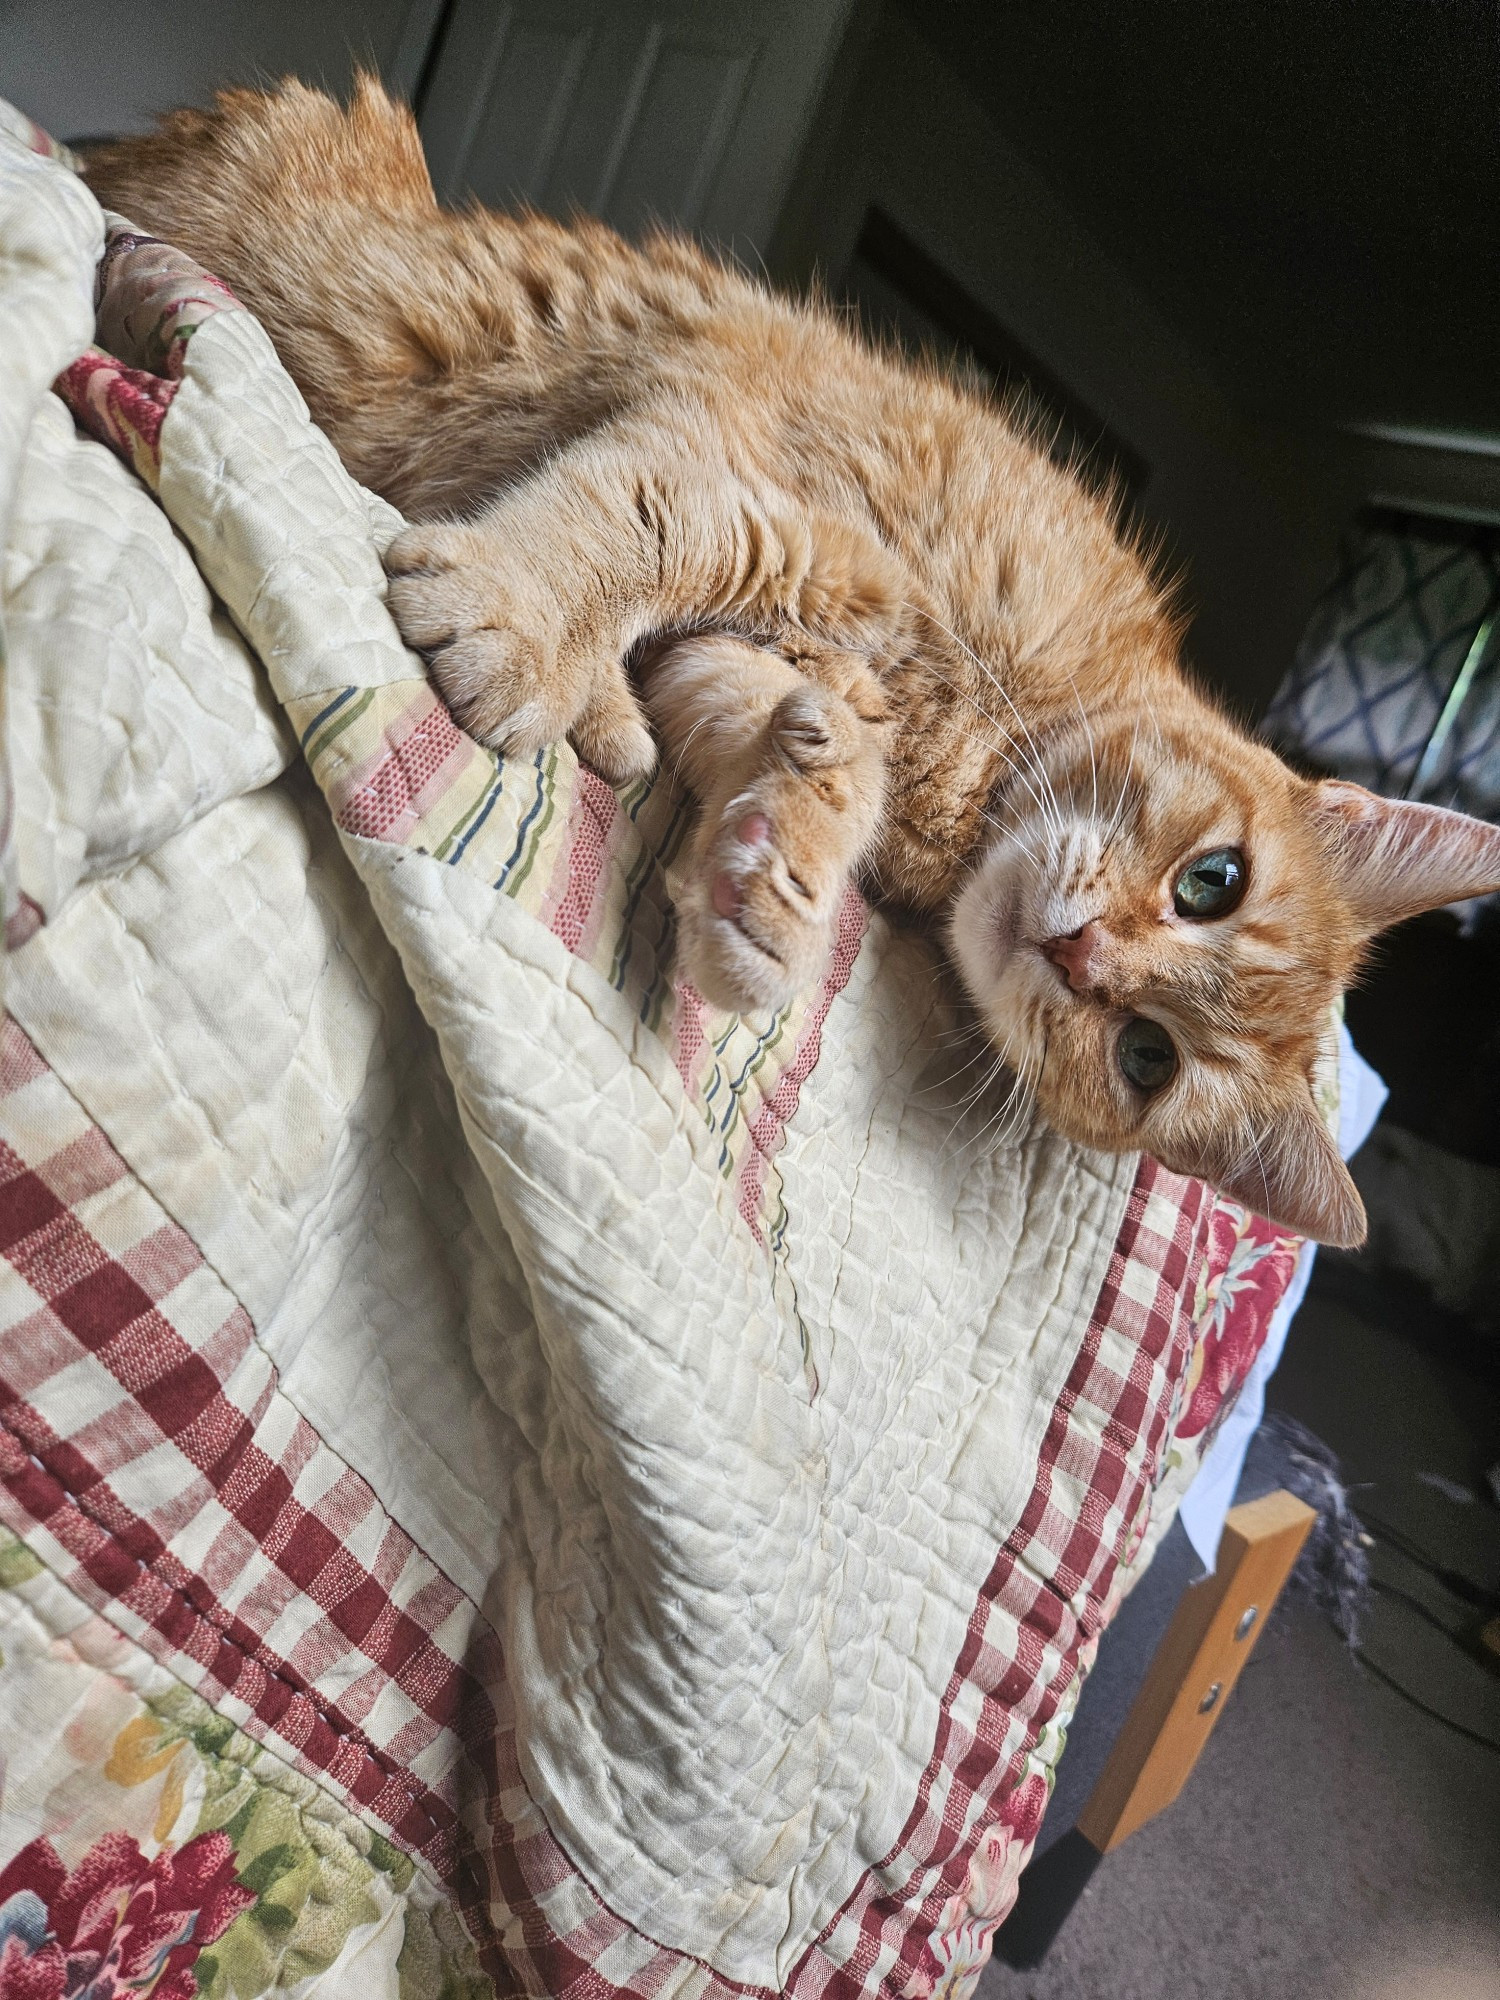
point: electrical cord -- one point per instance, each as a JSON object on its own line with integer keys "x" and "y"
{"x": 1453, "y": 1581}
{"x": 1430, "y": 1617}
{"x": 1423, "y": 1611}
{"x": 1436, "y": 1714}
{"x": 1458, "y": 1586}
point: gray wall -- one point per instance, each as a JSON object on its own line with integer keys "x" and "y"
{"x": 86, "y": 70}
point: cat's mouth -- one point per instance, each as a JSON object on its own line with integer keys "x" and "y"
{"x": 1041, "y": 966}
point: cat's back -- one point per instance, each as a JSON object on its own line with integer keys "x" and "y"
{"x": 305, "y": 205}
{"x": 446, "y": 351}
{"x": 393, "y": 312}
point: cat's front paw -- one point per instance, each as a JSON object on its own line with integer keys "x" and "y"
{"x": 514, "y": 672}
{"x": 772, "y": 864}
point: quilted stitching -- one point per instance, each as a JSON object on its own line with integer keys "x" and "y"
{"x": 808, "y": 1549}
{"x": 148, "y": 1452}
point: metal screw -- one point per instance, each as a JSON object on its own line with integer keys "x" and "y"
{"x": 1210, "y": 1700}
{"x": 1247, "y": 1622}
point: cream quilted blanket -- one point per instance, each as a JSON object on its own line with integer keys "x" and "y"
{"x": 783, "y": 1433}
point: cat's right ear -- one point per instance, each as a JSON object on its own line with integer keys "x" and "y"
{"x": 1394, "y": 858}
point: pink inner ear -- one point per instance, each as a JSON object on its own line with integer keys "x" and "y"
{"x": 1395, "y": 858}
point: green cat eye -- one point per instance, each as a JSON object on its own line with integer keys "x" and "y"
{"x": 1210, "y": 886}
{"x": 1145, "y": 1054}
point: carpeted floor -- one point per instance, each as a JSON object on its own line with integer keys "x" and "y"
{"x": 1334, "y": 1844}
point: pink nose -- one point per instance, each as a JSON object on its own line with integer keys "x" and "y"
{"x": 1074, "y": 955}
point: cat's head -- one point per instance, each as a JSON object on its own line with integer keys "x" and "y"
{"x": 1154, "y": 938}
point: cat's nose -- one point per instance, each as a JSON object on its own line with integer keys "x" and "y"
{"x": 1075, "y": 954}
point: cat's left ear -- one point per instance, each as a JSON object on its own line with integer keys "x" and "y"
{"x": 1395, "y": 859}
{"x": 1289, "y": 1172}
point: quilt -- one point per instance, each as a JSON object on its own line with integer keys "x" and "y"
{"x": 510, "y": 1480}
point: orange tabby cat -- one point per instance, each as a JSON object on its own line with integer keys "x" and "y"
{"x": 872, "y": 623}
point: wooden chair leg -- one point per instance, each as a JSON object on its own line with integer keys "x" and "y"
{"x": 1196, "y": 1666}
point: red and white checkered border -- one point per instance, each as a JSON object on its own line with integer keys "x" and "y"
{"x": 148, "y": 1455}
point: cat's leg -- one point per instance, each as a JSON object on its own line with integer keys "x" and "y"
{"x": 528, "y": 612}
{"x": 789, "y": 773}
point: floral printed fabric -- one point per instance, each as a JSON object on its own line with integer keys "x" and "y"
{"x": 162, "y": 1852}
{"x": 121, "y": 407}
{"x": 150, "y": 299}
{"x": 959, "y": 1948}
{"x": 1248, "y": 1267}
{"x": 119, "y": 1922}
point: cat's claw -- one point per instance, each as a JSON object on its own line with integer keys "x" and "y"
{"x": 750, "y": 939}
{"x": 500, "y": 652}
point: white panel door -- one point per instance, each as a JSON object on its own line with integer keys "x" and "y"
{"x": 690, "y": 111}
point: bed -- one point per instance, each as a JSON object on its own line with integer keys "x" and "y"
{"x": 509, "y": 1479}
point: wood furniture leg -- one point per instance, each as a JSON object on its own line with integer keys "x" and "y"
{"x": 1196, "y": 1667}
{"x": 1197, "y": 1661}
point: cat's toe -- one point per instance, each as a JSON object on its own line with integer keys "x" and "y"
{"x": 432, "y": 611}
{"x": 440, "y": 590}
{"x": 427, "y": 545}
{"x": 430, "y": 592}
{"x": 772, "y": 863}
{"x": 815, "y": 730}
{"x": 515, "y": 677}
{"x": 757, "y": 923}
{"x": 493, "y": 683}
{"x": 611, "y": 733}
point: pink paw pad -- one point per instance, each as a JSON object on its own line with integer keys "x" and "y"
{"x": 727, "y": 895}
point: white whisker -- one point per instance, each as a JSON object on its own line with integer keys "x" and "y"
{"x": 1045, "y": 801}
{"x": 701, "y": 723}
{"x": 994, "y": 679}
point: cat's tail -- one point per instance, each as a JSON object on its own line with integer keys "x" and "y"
{"x": 321, "y": 218}
{"x": 225, "y": 184}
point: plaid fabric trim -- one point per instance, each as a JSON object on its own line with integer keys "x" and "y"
{"x": 148, "y": 1456}
{"x": 1040, "y": 1613}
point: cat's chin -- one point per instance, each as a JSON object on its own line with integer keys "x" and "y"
{"x": 1011, "y": 985}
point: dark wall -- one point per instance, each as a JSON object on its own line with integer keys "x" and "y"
{"x": 1240, "y": 508}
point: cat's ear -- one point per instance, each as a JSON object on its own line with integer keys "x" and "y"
{"x": 1292, "y": 1175}
{"x": 1394, "y": 858}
